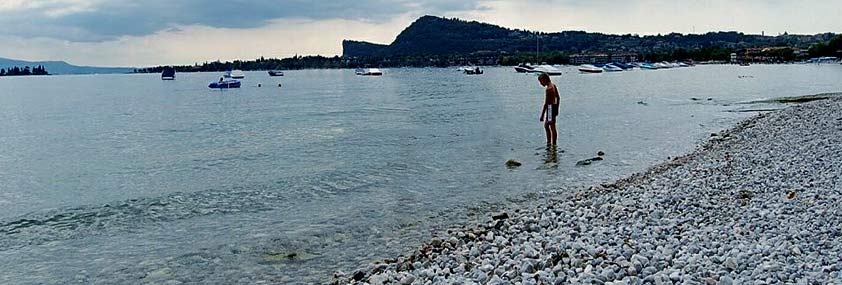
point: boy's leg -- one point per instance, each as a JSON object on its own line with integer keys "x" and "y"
{"x": 553, "y": 133}
{"x": 549, "y": 132}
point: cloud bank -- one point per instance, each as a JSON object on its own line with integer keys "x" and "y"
{"x": 100, "y": 20}
{"x": 158, "y": 32}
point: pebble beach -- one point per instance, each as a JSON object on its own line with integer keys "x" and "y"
{"x": 756, "y": 204}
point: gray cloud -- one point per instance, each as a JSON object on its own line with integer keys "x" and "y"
{"x": 111, "y": 19}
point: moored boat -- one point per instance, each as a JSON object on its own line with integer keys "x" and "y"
{"x": 548, "y": 69}
{"x": 589, "y": 68}
{"x": 225, "y": 84}
{"x": 663, "y": 65}
{"x": 274, "y": 73}
{"x": 235, "y": 74}
{"x": 524, "y": 68}
{"x": 473, "y": 71}
{"x": 611, "y": 68}
{"x": 168, "y": 74}
{"x": 368, "y": 71}
{"x": 649, "y": 66}
{"x": 623, "y": 65}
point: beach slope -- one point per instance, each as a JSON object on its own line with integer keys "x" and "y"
{"x": 757, "y": 204}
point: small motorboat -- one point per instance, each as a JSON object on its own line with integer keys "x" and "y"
{"x": 235, "y": 74}
{"x": 524, "y": 68}
{"x": 368, "y": 72}
{"x": 623, "y": 65}
{"x": 275, "y": 73}
{"x": 663, "y": 65}
{"x": 589, "y": 68}
{"x": 649, "y": 66}
{"x": 168, "y": 74}
{"x": 745, "y": 64}
{"x": 611, "y": 68}
{"x": 548, "y": 69}
{"x": 225, "y": 84}
{"x": 473, "y": 71}
{"x": 465, "y": 68}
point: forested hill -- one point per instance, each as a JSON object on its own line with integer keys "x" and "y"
{"x": 435, "y": 36}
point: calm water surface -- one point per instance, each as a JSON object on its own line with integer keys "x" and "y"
{"x": 130, "y": 179}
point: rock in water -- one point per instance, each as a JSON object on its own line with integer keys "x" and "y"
{"x": 589, "y": 161}
{"x": 359, "y": 275}
{"x": 500, "y": 216}
{"x": 513, "y": 163}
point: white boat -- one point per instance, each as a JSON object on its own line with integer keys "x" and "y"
{"x": 368, "y": 72}
{"x": 235, "y": 74}
{"x": 662, "y": 65}
{"x": 824, "y": 59}
{"x": 548, "y": 69}
{"x": 524, "y": 68}
{"x": 589, "y": 68}
{"x": 611, "y": 68}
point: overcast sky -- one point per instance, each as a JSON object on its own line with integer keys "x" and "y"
{"x": 156, "y": 32}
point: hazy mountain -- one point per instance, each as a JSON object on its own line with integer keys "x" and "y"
{"x": 61, "y": 67}
{"x": 435, "y": 36}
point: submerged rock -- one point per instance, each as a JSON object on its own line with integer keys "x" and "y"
{"x": 588, "y": 161}
{"x": 511, "y": 163}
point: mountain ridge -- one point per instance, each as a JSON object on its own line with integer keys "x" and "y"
{"x": 437, "y": 36}
{"x": 56, "y": 67}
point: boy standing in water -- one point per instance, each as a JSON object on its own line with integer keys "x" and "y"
{"x": 550, "y": 109}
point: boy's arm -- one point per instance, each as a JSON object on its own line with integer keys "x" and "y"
{"x": 547, "y": 99}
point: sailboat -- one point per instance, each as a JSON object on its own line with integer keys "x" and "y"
{"x": 542, "y": 68}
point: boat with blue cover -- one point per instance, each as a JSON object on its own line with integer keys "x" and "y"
{"x": 168, "y": 73}
{"x": 611, "y": 68}
{"x": 649, "y": 66}
{"x": 225, "y": 84}
{"x": 622, "y": 65}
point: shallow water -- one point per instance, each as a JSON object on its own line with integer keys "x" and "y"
{"x": 130, "y": 179}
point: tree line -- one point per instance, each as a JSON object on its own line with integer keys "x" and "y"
{"x": 721, "y": 52}
{"x": 262, "y": 63}
{"x": 17, "y": 71}
{"x": 829, "y": 48}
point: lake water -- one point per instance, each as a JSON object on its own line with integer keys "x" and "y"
{"x": 129, "y": 179}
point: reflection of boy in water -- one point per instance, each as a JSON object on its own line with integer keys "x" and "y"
{"x": 550, "y": 109}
